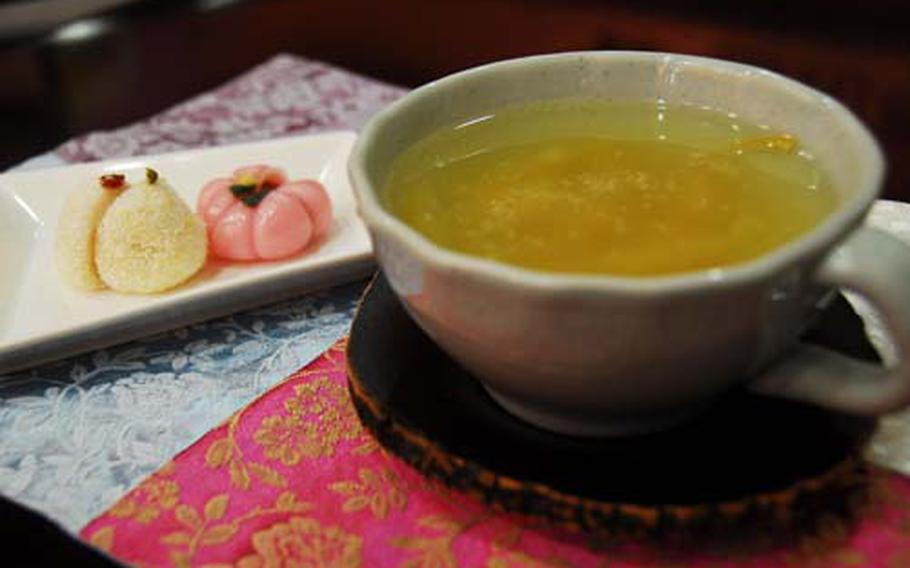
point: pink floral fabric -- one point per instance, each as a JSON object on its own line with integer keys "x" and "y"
{"x": 285, "y": 96}
{"x": 293, "y": 480}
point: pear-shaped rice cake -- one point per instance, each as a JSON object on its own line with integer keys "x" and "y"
{"x": 149, "y": 240}
{"x": 75, "y": 242}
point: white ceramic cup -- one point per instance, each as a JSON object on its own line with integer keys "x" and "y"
{"x": 605, "y": 355}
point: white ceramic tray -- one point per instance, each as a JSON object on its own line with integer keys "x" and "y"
{"x": 41, "y": 318}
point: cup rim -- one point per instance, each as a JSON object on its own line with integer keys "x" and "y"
{"x": 836, "y": 226}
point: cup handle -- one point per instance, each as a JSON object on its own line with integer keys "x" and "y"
{"x": 875, "y": 265}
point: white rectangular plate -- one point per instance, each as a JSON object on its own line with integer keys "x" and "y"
{"x": 42, "y": 318}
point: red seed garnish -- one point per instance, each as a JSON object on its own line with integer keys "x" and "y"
{"x": 112, "y": 181}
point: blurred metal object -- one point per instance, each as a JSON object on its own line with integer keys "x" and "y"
{"x": 39, "y": 16}
{"x": 210, "y": 5}
{"x": 80, "y": 30}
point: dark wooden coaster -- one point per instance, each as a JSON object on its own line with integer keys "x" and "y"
{"x": 752, "y": 460}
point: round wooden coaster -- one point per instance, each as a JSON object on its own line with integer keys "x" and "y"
{"x": 750, "y": 462}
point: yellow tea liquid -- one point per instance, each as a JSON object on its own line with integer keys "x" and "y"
{"x": 588, "y": 186}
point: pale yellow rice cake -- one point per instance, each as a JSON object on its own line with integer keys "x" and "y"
{"x": 75, "y": 237}
{"x": 149, "y": 240}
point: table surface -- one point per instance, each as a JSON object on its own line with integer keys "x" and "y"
{"x": 79, "y": 433}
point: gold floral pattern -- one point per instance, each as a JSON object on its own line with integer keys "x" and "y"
{"x": 432, "y": 551}
{"x": 283, "y": 439}
{"x": 505, "y": 552}
{"x": 200, "y": 529}
{"x": 505, "y": 558}
{"x": 379, "y": 490}
{"x": 828, "y": 548}
{"x": 900, "y": 560}
{"x": 226, "y": 452}
{"x": 146, "y": 502}
{"x": 103, "y": 538}
{"x": 302, "y": 542}
{"x": 319, "y": 416}
{"x": 367, "y": 447}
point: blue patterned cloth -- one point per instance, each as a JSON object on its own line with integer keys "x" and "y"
{"x": 77, "y": 434}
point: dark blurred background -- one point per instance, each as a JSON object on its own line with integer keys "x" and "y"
{"x": 70, "y": 66}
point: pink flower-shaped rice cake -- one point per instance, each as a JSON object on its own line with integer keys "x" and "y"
{"x": 258, "y": 214}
